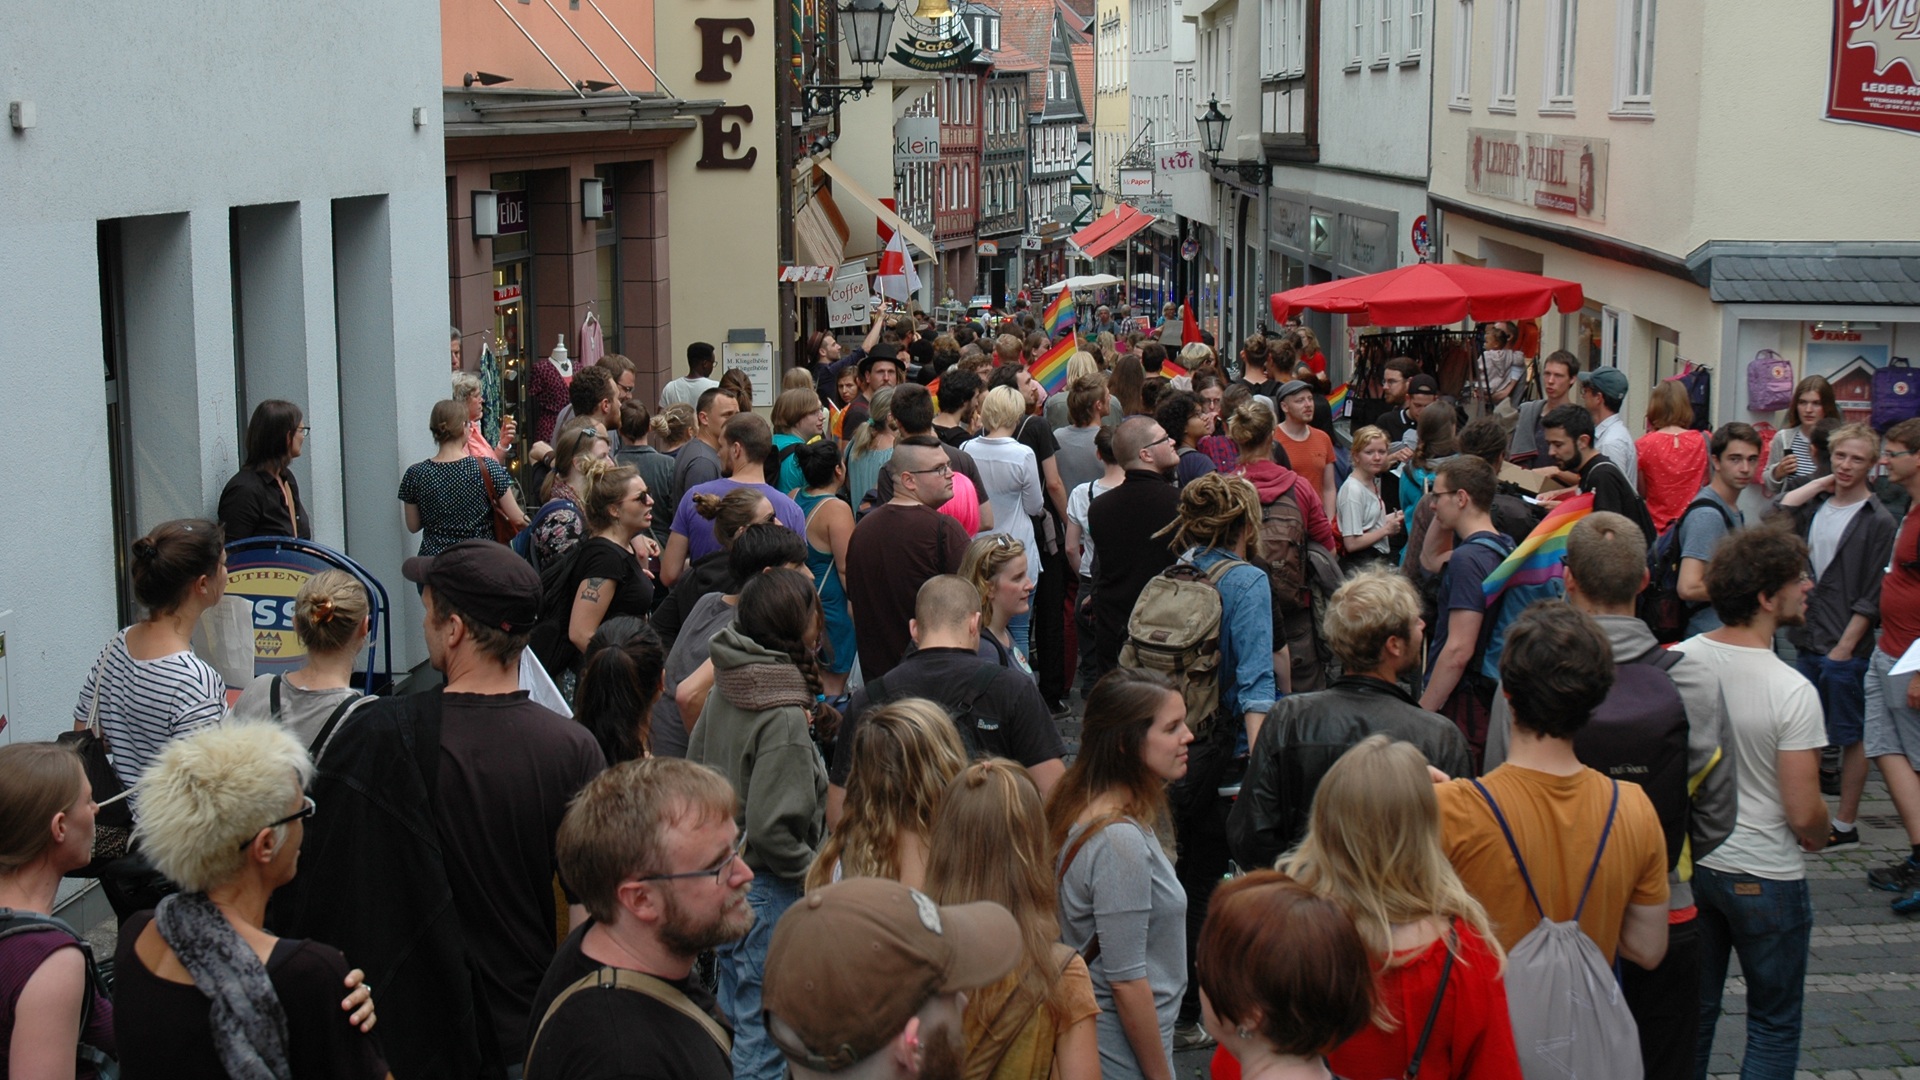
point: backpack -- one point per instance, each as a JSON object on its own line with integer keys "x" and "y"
{"x": 1175, "y": 630}
{"x": 1639, "y": 734}
{"x": 522, "y": 543}
{"x": 27, "y": 922}
{"x": 1896, "y": 394}
{"x": 1283, "y": 536}
{"x": 1659, "y": 604}
{"x": 1570, "y": 1017}
{"x": 965, "y": 718}
{"x": 549, "y": 641}
{"x": 1698, "y": 383}
{"x": 1514, "y": 600}
{"x": 1769, "y": 382}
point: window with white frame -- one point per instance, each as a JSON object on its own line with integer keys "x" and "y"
{"x": 1356, "y": 33}
{"x": 1506, "y": 55}
{"x": 1291, "y": 39}
{"x": 1386, "y": 33}
{"x": 1461, "y": 96}
{"x": 1563, "y": 18}
{"x": 1633, "y": 60}
{"x": 1415, "y": 45}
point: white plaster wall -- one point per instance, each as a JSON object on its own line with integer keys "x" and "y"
{"x": 1372, "y": 118}
{"x": 184, "y": 111}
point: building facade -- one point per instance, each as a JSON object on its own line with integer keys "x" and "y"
{"x": 183, "y": 252}
{"x": 957, "y": 220}
{"x": 1625, "y": 147}
{"x": 1003, "y": 164}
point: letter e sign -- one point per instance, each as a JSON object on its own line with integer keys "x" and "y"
{"x": 716, "y": 48}
{"x": 717, "y": 134}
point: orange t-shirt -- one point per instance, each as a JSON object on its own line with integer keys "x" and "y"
{"x": 1310, "y": 455}
{"x": 1556, "y": 822}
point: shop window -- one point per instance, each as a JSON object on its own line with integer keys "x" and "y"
{"x": 1462, "y": 95}
{"x": 1562, "y": 24}
{"x": 1633, "y": 60}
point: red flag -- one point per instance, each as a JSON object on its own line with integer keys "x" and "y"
{"x": 1189, "y": 326}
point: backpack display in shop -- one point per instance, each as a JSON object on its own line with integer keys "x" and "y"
{"x": 1659, "y": 604}
{"x": 1896, "y": 394}
{"x": 1570, "y": 1017}
{"x": 1697, "y": 381}
{"x": 1769, "y": 382}
{"x": 1175, "y": 630}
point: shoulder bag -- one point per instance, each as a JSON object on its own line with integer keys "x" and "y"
{"x": 113, "y": 823}
{"x": 612, "y": 978}
{"x": 503, "y": 530}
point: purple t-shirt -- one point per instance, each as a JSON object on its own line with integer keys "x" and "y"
{"x": 699, "y": 531}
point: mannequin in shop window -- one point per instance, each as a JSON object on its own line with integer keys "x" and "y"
{"x": 263, "y": 498}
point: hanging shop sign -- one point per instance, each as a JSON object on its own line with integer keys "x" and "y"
{"x": 1874, "y": 73}
{"x": 916, "y": 139}
{"x": 847, "y": 299}
{"x": 513, "y": 212}
{"x": 937, "y": 45}
{"x": 1178, "y": 159}
{"x": 1135, "y": 183}
{"x": 800, "y": 273}
{"x": 1030, "y": 243}
{"x": 988, "y": 247}
{"x": 1565, "y": 174}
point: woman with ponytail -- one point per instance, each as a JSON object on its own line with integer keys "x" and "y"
{"x": 731, "y": 515}
{"x": 330, "y": 616}
{"x": 608, "y": 579}
{"x": 757, "y": 731}
{"x": 148, "y": 688}
{"x": 870, "y": 447}
{"x": 619, "y": 683}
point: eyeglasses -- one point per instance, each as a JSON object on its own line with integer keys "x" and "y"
{"x": 306, "y": 810}
{"x": 1893, "y": 454}
{"x": 945, "y": 468}
{"x": 717, "y": 873}
{"x": 1157, "y": 442}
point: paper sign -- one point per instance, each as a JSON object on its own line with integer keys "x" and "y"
{"x": 847, "y": 298}
{"x": 756, "y": 360}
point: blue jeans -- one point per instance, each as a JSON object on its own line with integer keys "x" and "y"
{"x": 1769, "y": 924}
{"x": 1842, "y": 686}
{"x": 742, "y": 964}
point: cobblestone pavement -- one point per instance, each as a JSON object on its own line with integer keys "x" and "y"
{"x": 1862, "y": 1014}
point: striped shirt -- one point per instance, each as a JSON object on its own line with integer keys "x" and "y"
{"x": 144, "y": 704}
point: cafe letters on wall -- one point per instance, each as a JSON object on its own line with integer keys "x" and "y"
{"x": 723, "y": 40}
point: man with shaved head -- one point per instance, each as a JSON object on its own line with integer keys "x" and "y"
{"x": 1122, "y": 523}
{"x": 897, "y": 547}
{"x": 998, "y": 711}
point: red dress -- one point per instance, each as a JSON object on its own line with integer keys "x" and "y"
{"x": 1472, "y": 1037}
{"x": 1673, "y": 469}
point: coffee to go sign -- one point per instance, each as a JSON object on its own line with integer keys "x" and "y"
{"x": 1563, "y": 174}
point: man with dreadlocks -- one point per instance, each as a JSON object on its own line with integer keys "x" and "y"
{"x": 1220, "y": 520}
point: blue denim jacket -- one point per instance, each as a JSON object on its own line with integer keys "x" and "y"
{"x": 1246, "y": 634}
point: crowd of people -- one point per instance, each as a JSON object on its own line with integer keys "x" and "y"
{"x": 783, "y": 785}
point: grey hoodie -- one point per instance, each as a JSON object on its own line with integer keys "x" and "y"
{"x": 1710, "y": 768}
{"x": 754, "y": 732}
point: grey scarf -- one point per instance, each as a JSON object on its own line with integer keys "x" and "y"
{"x": 249, "y": 1026}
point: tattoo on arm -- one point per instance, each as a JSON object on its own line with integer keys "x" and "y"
{"x": 591, "y": 591}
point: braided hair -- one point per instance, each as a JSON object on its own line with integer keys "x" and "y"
{"x": 1215, "y": 510}
{"x": 779, "y": 610}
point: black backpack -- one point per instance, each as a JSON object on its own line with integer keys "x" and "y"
{"x": 27, "y": 922}
{"x": 1639, "y": 733}
{"x": 966, "y": 719}
{"x": 1660, "y": 605}
{"x": 549, "y": 640}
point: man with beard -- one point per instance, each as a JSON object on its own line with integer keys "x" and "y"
{"x": 1570, "y": 435}
{"x": 652, "y": 849}
{"x": 866, "y": 980}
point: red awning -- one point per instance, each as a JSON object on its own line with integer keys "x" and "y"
{"x": 1110, "y": 230}
{"x": 1431, "y": 294}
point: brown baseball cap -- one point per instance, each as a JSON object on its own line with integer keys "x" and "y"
{"x": 851, "y": 963}
{"x": 483, "y": 580}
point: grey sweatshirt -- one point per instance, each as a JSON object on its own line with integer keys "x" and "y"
{"x": 754, "y": 732}
{"x": 1710, "y": 768}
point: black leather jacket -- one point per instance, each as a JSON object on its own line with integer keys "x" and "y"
{"x": 1303, "y": 736}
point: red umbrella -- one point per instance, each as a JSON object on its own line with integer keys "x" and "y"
{"x": 1432, "y": 294}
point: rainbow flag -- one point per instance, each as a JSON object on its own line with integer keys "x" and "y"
{"x": 1172, "y": 370}
{"x": 1059, "y": 314}
{"x": 1542, "y": 555}
{"x": 1338, "y": 400}
{"x": 836, "y": 419}
{"x": 1050, "y": 367}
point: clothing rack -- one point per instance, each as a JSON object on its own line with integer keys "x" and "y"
{"x": 1448, "y": 355}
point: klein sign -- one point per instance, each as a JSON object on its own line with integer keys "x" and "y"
{"x": 916, "y": 139}
{"x": 1559, "y": 173}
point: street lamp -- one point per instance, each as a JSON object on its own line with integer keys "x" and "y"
{"x": 867, "y": 25}
{"x": 1213, "y": 129}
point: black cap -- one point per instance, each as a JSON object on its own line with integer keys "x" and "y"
{"x": 1291, "y": 388}
{"x": 889, "y": 353}
{"x": 1423, "y": 384}
{"x": 482, "y": 580}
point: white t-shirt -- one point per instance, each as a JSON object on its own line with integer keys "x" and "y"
{"x": 1770, "y": 708}
{"x": 1078, "y": 500}
{"x": 1360, "y": 510}
{"x": 1829, "y": 525}
{"x": 685, "y": 389}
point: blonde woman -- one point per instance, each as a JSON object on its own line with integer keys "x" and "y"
{"x": 871, "y": 447}
{"x": 466, "y": 391}
{"x": 904, "y": 756}
{"x": 996, "y": 566}
{"x": 1373, "y": 848}
{"x": 1011, "y": 475}
{"x": 990, "y": 843}
{"x": 330, "y": 617}
{"x": 1366, "y": 528}
{"x": 1080, "y": 364}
